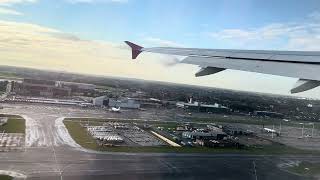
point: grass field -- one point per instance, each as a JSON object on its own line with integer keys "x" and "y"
{"x": 79, "y": 134}
{"x": 306, "y": 169}
{"x": 15, "y": 124}
{"x": 5, "y": 177}
{"x": 8, "y": 74}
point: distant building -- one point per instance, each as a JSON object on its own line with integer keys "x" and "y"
{"x": 148, "y": 102}
{"x": 236, "y": 130}
{"x": 124, "y": 103}
{"x": 37, "y": 87}
{"x": 268, "y": 114}
{"x": 112, "y": 102}
{"x": 100, "y": 101}
{"x": 180, "y": 128}
{"x": 48, "y": 88}
{"x": 214, "y": 129}
{"x": 77, "y": 88}
{"x": 196, "y": 106}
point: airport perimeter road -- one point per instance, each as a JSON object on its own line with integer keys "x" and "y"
{"x": 50, "y": 154}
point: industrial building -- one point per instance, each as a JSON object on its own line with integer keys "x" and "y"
{"x": 148, "y": 102}
{"x": 100, "y": 101}
{"x": 199, "y": 107}
{"x": 124, "y": 103}
{"x": 112, "y": 102}
{"x": 268, "y": 114}
{"x": 37, "y": 87}
{"x": 48, "y": 88}
{"x": 236, "y": 130}
{"x": 78, "y": 88}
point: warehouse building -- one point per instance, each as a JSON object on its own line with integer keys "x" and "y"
{"x": 48, "y": 88}
{"x": 111, "y": 102}
{"x": 37, "y": 87}
{"x": 100, "y": 101}
{"x": 124, "y": 103}
{"x": 236, "y": 130}
{"x": 199, "y": 107}
{"x": 268, "y": 114}
{"x": 77, "y": 88}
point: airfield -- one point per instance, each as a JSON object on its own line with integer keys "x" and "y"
{"x": 50, "y": 153}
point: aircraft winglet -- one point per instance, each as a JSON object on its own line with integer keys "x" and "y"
{"x": 136, "y": 49}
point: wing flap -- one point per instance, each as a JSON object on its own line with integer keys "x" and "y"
{"x": 208, "y": 70}
{"x": 304, "y": 85}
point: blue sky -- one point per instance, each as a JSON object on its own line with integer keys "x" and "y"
{"x": 86, "y": 36}
{"x": 181, "y": 21}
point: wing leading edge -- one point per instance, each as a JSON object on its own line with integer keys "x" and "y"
{"x": 304, "y": 65}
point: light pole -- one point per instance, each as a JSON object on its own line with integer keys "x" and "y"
{"x": 280, "y": 129}
{"x": 272, "y": 130}
{"x": 312, "y": 129}
{"x": 302, "y": 130}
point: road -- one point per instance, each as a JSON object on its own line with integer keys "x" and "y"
{"x": 51, "y": 154}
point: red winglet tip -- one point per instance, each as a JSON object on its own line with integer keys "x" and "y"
{"x": 136, "y": 49}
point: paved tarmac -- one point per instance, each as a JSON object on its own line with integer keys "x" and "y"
{"x": 50, "y": 154}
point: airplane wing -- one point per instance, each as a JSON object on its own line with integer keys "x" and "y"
{"x": 304, "y": 65}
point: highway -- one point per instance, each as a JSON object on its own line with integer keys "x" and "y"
{"x": 50, "y": 154}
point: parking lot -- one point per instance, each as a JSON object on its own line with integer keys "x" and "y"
{"x": 11, "y": 142}
{"x": 140, "y": 136}
{"x": 123, "y": 134}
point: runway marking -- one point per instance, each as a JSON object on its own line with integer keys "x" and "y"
{"x": 13, "y": 174}
{"x": 255, "y": 170}
{"x": 55, "y": 155}
{"x": 169, "y": 165}
{"x": 56, "y": 171}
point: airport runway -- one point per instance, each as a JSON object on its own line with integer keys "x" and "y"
{"x": 49, "y": 156}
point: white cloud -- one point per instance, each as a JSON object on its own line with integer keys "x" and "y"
{"x": 97, "y": 1}
{"x": 7, "y": 11}
{"x": 152, "y": 41}
{"x": 288, "y": 36}
{"x": 30, "y": 45}
{"x": 10, "y": 2}
{"x": 6, "y": 3}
